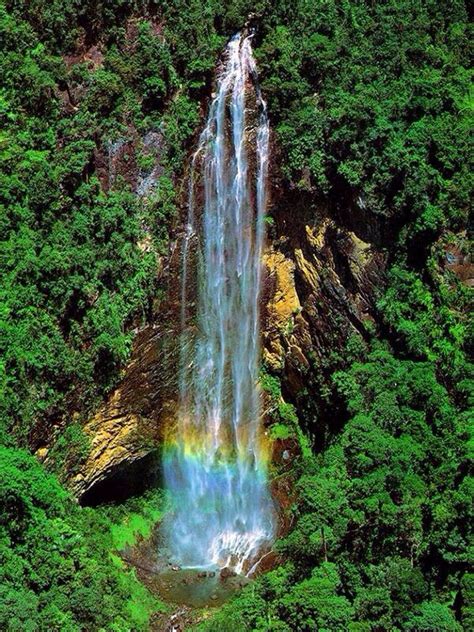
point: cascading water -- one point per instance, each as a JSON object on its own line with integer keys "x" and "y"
{"x": 215, "y": 464}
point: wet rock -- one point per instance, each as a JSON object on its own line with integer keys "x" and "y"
{"x": 226, "y": 573}
{"x": 458, "y": 258}
{"x": 153, "y": 147}
{"x": 202, "y": 574}
{"x": 175, "y": 567}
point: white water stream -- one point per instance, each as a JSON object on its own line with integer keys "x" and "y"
{"x": 215, "y": 464}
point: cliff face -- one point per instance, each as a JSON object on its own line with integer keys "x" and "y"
{"x": 125, "y": 432}
{"x": 322, "y": 282}
{"x": 320, "y": 285}
{"x": 324, "y": 268}
{"x": 120, "y": 440}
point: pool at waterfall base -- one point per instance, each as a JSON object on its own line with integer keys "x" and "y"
{"x": 193, "y": 589}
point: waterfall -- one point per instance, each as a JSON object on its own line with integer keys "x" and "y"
{"x": 215, "y": 462}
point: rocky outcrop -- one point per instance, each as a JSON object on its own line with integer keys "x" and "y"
{"x": 455, "y": 258}
{"x": 322, "y": 280}
{"x": 282, "y": 308}
{"x": 125, "y": 432}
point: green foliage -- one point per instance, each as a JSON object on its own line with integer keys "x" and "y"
{"x": 70, "y": 450}
{"x": 371, "y": 110}
{"x": 133, "y": 519}
{"x": 381, "y": 535}
{"x": 433, "y": 616}
{"x": 281, "y": 414}
{"x": 432, "y": 331}
{"x": 280, "y": 431}
{"x": 370, "y": 101}
{"x": 55, "y": 571}
{"x": 71, "y": 272}
{"x": 314, "y": 603}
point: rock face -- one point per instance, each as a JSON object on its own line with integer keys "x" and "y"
{"x": 456, "y": 257}
{"x": 320, "y": 285}
{"x": 282, "y": 308}
{"x": 322, "y": 280}
{"x": 125, "y": 432}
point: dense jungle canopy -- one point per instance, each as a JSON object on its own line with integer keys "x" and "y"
{"x": 370, "y": 108}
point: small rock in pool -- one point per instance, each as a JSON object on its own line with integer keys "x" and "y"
{"x": 175, "y": 567}
{"x": 211, "y": 574}
{"x": 202, "y": 574}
